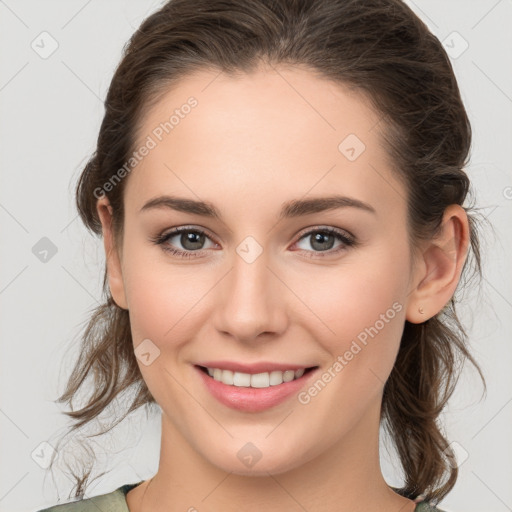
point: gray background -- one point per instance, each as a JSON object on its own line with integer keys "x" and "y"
{"x": 50, "y": 113}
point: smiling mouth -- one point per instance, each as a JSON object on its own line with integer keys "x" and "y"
{"x": 255, "y": 380}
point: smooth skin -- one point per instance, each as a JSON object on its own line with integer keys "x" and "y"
{"x": 252, "y": 143}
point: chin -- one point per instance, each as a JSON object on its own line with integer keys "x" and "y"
{"x": 250, "y": 461}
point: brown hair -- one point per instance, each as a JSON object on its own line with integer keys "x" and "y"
{"x": 377, "y": 47}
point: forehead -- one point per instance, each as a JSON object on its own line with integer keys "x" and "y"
{"x": 274, "y": 129}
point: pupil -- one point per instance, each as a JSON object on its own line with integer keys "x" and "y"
{"x": 191, "y": 240}
{"x": 321, "y": 237}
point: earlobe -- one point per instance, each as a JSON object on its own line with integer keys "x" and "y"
{"x": 440, "y": 267}
{"x": 114, "y": 270}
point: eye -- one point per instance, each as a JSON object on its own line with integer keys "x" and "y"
{"x": 191, "y": 239}
{"x": 323, "y": 240}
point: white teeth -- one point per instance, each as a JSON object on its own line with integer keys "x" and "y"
{"x": 227, "y": 377}
{"x": 288, "y": 375}
{"x": 276, "y": 378}
{"x": 256, "y": 380}
{"x": 240, "y": 379}
{"x": 260, "y": 380}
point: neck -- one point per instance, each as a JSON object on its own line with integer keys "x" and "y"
{"x": 345, "y": 477}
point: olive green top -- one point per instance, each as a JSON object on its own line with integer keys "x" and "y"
{"x": 115, "y": 501}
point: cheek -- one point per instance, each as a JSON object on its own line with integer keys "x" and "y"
{"x": 359, "y": 310}
{"x": 164, "y": 299}
{"x": 363, "y": 307}
{"x": 354, "y": 295}
{"x": 164, "y": 306}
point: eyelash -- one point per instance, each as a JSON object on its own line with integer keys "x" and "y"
{"x": 347, "y": 240}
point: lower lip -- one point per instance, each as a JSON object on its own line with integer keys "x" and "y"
{"x": 253, "y": 399}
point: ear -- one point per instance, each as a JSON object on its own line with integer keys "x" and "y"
{"x": 114, "y": 269}
{"x": 439, "y": 267}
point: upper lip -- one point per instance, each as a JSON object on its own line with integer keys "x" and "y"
{"x": 260, "y": 367}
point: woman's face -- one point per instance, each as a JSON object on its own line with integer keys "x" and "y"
{"x": 266, "y": 284}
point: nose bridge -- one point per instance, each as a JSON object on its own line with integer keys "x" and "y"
{"x": 249, "y": 303}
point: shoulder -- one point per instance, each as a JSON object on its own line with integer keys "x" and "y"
{"x": 423, "y": 506}
{"x": 114, "y": 501}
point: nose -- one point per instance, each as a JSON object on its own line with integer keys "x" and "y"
{"x": 251, "y": 301}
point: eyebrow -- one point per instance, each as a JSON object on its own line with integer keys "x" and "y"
{"x": 293, "y": 208}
